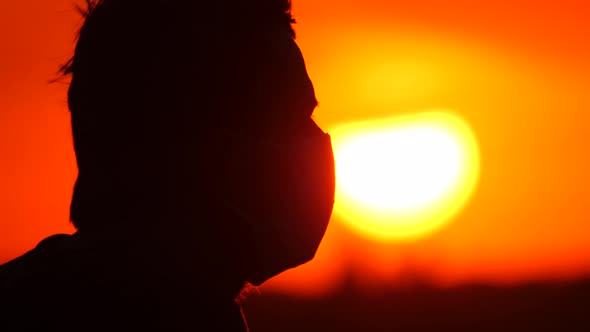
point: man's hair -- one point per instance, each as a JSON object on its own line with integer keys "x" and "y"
{"x": 151, "y": 80}
{"x": 276, "y": 10}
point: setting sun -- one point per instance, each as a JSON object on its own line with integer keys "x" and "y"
{"x": 404, "y": 177}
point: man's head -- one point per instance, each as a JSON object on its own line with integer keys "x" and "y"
{"x": 154, "y": 84}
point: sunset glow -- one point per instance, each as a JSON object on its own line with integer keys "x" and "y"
{"x": 493, "y": 94}
{"x": 404, "y": 177}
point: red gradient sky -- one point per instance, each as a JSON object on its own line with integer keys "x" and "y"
{"x": 516, "y": 71}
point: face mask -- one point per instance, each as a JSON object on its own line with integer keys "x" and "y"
{"x": 284, "y": 193}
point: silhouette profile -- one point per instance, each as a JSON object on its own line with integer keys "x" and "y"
{"x": 200, "y": 170}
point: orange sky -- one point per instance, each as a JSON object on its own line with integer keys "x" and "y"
{"x": 516, "y": 71}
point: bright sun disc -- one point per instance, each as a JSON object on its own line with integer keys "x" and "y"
{"x": 404, "y": 177}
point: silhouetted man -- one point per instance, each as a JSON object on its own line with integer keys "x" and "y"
{"x": 200, "y": 170}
